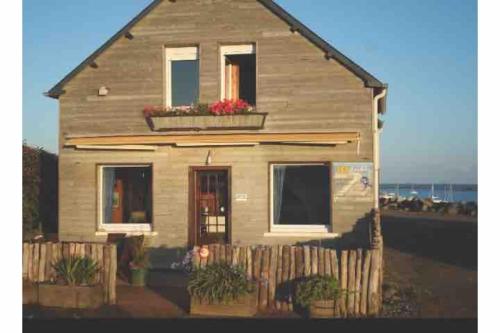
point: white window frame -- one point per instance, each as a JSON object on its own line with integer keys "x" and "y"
{"x": 226, "y": 50}
{"x": 176, "y": 54}
{"x": 296, "y": 229}
{"x": 120, "y": 227}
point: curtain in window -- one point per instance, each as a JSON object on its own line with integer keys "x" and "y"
{"x": 279, "y": 181}
{"x": 108, "y": 185}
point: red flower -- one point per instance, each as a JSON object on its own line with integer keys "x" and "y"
{"x": 241, "y": 106}
{"x": 228, "y": 107}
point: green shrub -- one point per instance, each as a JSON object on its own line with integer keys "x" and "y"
{"x": 317, "y": 288}
{"x": 219, "y": 283}
{"x": 76, "y": 271}
{"x": 40, "y": 196}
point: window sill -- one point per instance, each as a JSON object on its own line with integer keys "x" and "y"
{"x": 128, "y": 233}
{"x": 301, "y": 234}
{"x": 129, "y": 229}
{"x": 323, "y": 229}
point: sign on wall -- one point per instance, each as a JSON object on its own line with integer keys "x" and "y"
{"x": 241, "y": 197}
{"x": 353, "y": 182}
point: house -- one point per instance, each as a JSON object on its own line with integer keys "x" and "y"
{"x": 141, "y": 153}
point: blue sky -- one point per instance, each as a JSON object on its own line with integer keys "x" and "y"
{"x": 425, "y": 49}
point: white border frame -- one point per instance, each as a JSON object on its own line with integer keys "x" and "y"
{"x": 120, "y": 227}
{"x": 225, "y": 50}
{"x": 176, "y": 54}
{"x": 297, "y": 229}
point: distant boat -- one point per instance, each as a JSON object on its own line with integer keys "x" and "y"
{"x": 448, "y": 194}
{"x": 388, "y": 196}
{"x": 413, "y": 192}
{"x": 434, "y": 198}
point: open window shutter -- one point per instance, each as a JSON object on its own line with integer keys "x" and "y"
{"x": 235, "y": 82}
{"x": 232, "y": 80}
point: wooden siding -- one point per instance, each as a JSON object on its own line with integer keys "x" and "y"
{"x": 296, "y": 85}
{"x": 250, "y": 175}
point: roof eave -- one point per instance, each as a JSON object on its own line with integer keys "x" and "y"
{"x": 331, "y": 52}
{"x": 56, "y": 91}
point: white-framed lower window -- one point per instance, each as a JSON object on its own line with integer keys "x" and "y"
{"x": 238, "y": 74}
{"x": 182, "y": 76}
{"x": 125, "y": 198}
{"x": 300, "y": 197}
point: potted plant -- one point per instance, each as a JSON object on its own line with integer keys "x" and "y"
{"x": 139, "y": 266}
{"x": 74, "y": 285}
{"x": 318, "y": 294}
{"x": 222, "y": 290}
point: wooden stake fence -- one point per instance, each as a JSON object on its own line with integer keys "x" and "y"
{"x": 278, "y": 268}
{"x": 39, "y": 258}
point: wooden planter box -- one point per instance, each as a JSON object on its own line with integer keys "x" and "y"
{"x": 322, "y": 309}
{"x": 78, "y": 297}
{"x": 245, "y": 307}
{"x": 253, "y": 121}
{"x": 30, "y": 292}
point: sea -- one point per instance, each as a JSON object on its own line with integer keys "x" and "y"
{"x": 451, "y": 193}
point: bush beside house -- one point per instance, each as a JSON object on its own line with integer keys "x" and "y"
{"x": 40, "y": 192}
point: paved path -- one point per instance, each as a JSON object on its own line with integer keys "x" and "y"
{"x": 146, "y": 303}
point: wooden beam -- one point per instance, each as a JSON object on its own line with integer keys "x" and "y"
{"x": 222, "y": 144}
{"x": 125, "y": 147}
{"x": 129, "y": 35}
{"x": 215, "y": 139}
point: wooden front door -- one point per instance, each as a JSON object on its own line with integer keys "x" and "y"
{"x": 211, "y": 205}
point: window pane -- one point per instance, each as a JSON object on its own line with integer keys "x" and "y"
{"x": 301, "y": 195}
{"x": 185, "y": 76}
{"x": 126, "y": 195}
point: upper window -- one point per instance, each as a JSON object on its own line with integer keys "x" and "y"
{"x": 126, "y": 197}
{"x": 182, "y": 72}
{"x": 238, "y": 73}
{"x": 301, "y": 196}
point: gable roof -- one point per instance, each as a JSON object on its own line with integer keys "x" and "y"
{"x": 295, "y": 25}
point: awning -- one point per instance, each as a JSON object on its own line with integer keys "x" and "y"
{"x": 234, "y": 139}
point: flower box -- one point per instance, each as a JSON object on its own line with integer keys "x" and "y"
{"x": 30, "y": 292}
{"x": 244, "y": 306}
{"x": 249, "y": 121}
{"x": 73, "y": 297}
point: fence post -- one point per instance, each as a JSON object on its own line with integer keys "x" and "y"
{"x": 343, "y": 282}
{"x": 373, "y": 286}
{"x": 272, "y": 276}
{"x": 351, "y": 282}
{"x": 279, "y": 278}
{"x": 112, "y": 274}
{"x": 364, "y": 283}
{"x": 26, "y": 248}
{"x": 359, "y": 272}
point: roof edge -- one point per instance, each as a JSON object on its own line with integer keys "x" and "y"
{"x": 369, "y": 80}
{"x": 57, "y": 90}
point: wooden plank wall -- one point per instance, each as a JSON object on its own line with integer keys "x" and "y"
{"x": 278, "y": 268}
{"x": 38, "y": 260}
